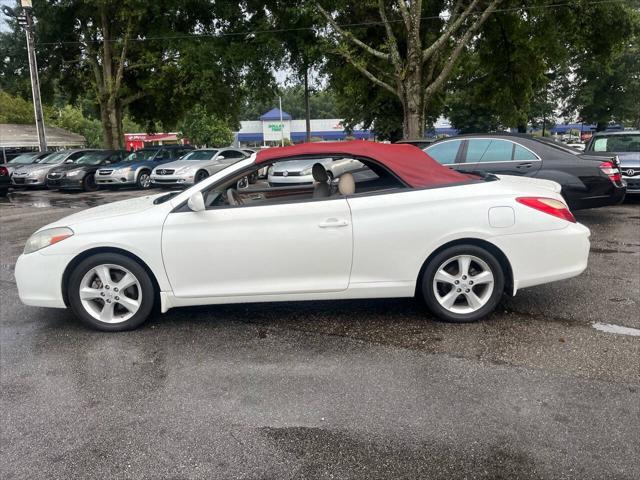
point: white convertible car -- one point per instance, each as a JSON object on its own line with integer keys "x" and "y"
{"x": 411, "y": 227}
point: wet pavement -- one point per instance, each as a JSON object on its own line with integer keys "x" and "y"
{"x": 351, "y": 389}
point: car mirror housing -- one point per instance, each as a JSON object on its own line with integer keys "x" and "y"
{"x": 220, "y": 157}
{"x": 196, "y": 202}
{"x": 69, "y": 160}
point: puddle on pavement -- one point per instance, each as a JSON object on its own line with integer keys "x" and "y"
{"x": 46, "y": 199}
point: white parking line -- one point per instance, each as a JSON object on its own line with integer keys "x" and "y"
{"x": 610, "y": 328}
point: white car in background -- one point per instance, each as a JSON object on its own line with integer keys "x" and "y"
{"x": 298, "y": 172}
{"x": 195, "y": 166}
{"x": 459, "y": 241}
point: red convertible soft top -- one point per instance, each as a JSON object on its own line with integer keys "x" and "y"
{"x": 411, "y": 164}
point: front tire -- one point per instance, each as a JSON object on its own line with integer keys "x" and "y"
{"x": 200, "y": 176}
{"x": 463, "y": 283}
{"x": 143, "y": 181}
{"x": 111, "y": 292}
{"x": 89, "y": 183}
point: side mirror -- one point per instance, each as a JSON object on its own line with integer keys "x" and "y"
{"x": 220, "y": 157}
{"x": 243, "y": 183}
{"x": 196, "y": 202}
{"x": 69, "y": 160}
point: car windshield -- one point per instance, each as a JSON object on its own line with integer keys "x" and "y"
{"x": 23, "y": 159}
{"x": 200, "y": 155}
{"x": 615, "y": 143}
{"x": 94, "y": 158}
{"x": 141, "y": 155}
{"x": 54, "y": 158}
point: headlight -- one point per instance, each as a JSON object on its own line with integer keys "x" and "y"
{"x": 306, "y": 171}
{"x": 46, "y": 237}
{"x": 122, "y": 171}
{"x": 74, "y": 173}
{"x": 34, "y": 173}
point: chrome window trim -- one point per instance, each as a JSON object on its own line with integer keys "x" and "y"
{"x": 538, "y": 159}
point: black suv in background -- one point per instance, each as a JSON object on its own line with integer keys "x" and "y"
{"x": 80, "y": 175}
{"x": 625, "y": 144}
{"x": 586, "y": 181}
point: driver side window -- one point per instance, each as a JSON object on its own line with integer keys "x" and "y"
{"x": 309, "y": 180}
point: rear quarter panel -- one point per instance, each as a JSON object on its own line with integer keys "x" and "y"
{"x": 393, "y": 234}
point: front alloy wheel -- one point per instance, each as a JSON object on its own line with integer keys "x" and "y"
{"x": 111, "y": 292}
{"x": 144, "y": 180}
{"x": 463, "y": 283}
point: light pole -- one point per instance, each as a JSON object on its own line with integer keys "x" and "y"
{"x": 25, "y": 19}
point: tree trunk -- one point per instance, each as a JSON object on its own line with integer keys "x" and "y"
{"x": 107, "y": 133}
{"x": 413, "y": 104}
{"x": 307, "y": 109}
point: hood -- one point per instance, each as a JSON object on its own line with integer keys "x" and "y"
{"x": 72, "y": 166}
{"x": 299, "y": 165}
{"x": 629, "y": 159}
{"x": 35, "y": 166}
{"x": 524, "y": 182}
{"x": 185, "y": 163}
{"x": 115, "y": 209}
{"x": 132, "y": 165}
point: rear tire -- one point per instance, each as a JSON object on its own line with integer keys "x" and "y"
{"x": 111, "y": 292}
{"x": 463, "y": 283}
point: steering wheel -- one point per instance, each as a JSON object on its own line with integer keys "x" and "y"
{"x": 233, "y": 198}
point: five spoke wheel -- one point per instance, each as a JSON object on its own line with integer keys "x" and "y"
{"x": 463, "y": 284}
{"x": 110, "y": 293}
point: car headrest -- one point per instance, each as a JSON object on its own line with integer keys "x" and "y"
{"x": 347, "y": 184}
{"x": 319, "y": 173}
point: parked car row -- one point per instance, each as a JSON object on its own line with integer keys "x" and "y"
{"x": 89, "y": 169}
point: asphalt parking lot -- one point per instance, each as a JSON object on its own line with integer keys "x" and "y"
{"x": 350, "y": 389}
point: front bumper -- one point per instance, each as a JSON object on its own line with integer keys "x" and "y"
{"x": 116, "y": 178}
{"x": 66, "y": 183}
{"x": 28, "y": 181}
{"x": 38, "y": 289}
{"x": 281, "y": 180}
{"x": 172, "y": 180}
{"x": 633, "y": 184}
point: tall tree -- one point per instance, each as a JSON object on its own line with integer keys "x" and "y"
{"x": 415, "y": 49}
{"x": 153, "y": 59}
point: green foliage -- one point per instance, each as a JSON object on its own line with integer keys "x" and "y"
{"x": 15, "y": 109}
{"x": 204, "y": 129}
{"x": 322, "y": 104}
{"x": 71, "y": 118}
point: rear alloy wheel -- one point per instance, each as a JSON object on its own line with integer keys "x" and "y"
{"x": 111, "y": 292}
{"x": 463, "y": 283}
{"x": 201, "y": 175}
{"x": 144, "y": 180}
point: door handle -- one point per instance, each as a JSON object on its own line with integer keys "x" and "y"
{"x": 525, "y": 165}
{"x": 333, "y": 223}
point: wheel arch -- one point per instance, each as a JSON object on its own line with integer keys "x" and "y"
{"x": 97, "y": 250}
{"x": 490, "y": 247}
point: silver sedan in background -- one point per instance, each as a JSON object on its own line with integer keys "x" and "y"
{"x": 298, "y": 172}
{"x": 35, "y": 174}
{"x": 195, "y": 166}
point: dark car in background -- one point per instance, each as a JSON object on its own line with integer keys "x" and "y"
{"x": 80, "y": 175}
{"x": 586, "y": 181}
{"x": 135, "y": 169}
{"x": 4, "y": 181}
{"x": 625, "y": 145}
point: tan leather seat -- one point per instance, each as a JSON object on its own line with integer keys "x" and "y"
{"x": 347, "y": 184}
